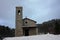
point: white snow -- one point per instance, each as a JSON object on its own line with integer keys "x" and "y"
{"x": 36, "y": 37}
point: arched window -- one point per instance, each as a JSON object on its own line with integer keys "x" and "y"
{"x": 18, "y": 11}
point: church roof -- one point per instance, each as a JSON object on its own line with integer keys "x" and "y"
{"x": 29, "y": 19}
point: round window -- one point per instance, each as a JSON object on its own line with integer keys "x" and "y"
{"x": 26, "y": 22}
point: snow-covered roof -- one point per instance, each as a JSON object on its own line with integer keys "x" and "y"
{"x": 29, "y": 19}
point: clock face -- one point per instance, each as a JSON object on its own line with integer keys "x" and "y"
{"x": 19, "y": 12}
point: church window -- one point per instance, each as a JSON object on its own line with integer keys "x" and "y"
{"x": 18, "y": 11}
{"x": 26, "y": 22}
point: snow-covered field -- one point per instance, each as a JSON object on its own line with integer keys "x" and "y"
{"x": 36, "y": 37}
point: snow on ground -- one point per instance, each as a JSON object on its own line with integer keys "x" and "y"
{"x": 36, "y": 37}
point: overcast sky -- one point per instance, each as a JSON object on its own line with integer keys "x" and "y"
{"x": 38, "y": 10}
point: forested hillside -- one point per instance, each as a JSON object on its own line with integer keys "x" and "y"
{"x": 5, "y": 31}
{"x": 51, "y": 26}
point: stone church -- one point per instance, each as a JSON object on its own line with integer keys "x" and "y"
{"x": 26, "y": 26}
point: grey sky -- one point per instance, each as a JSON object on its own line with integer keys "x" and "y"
{"x": 38, "y": 10}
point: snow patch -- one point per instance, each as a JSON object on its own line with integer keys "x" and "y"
{"x": 36, "y": 37}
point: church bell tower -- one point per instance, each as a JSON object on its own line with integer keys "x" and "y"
{"x": 19, "y": 22}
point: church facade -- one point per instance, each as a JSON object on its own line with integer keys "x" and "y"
{"x": 26, "y": 26}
